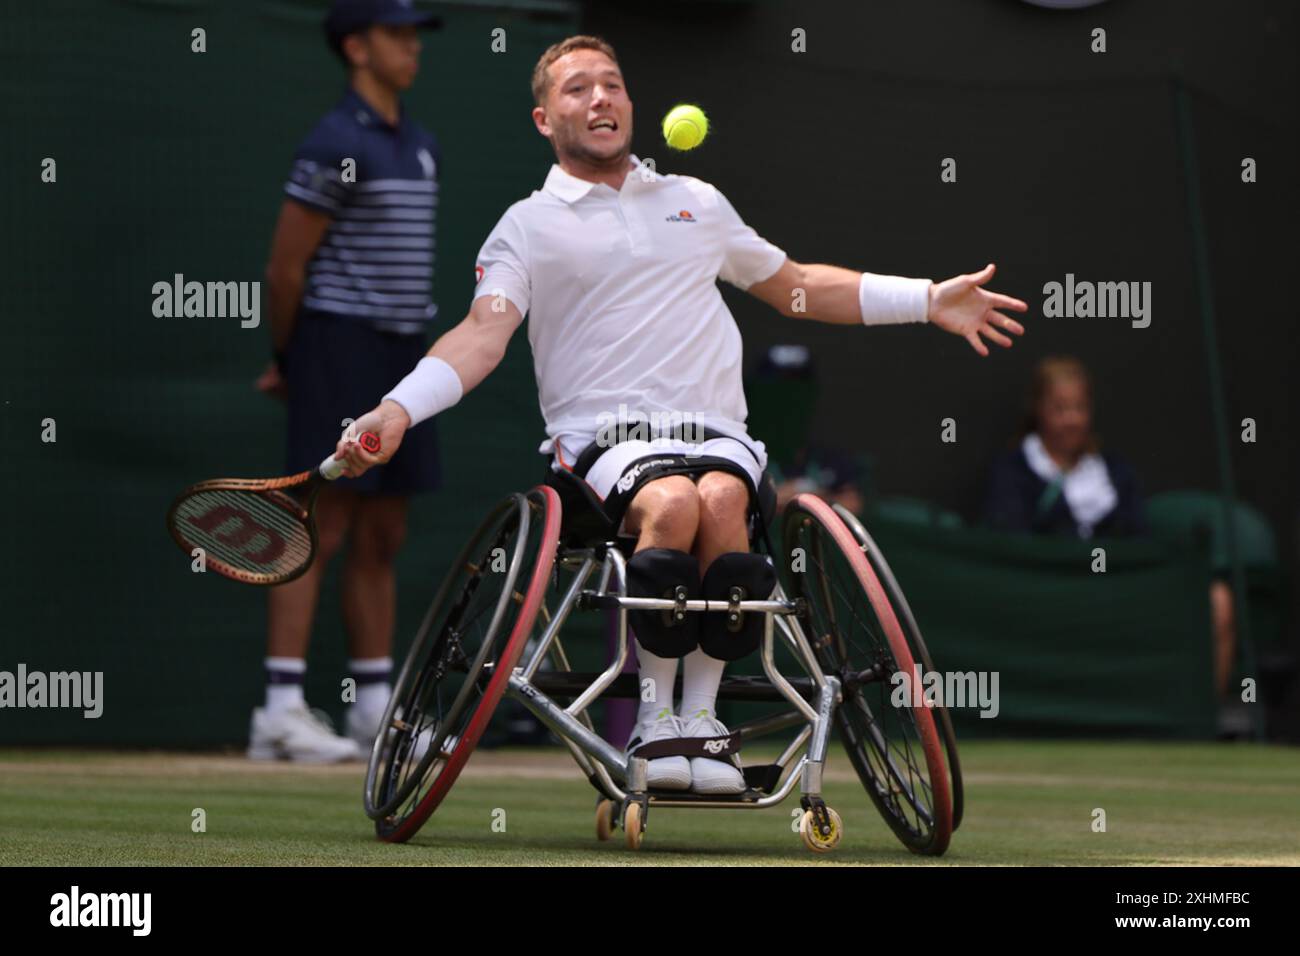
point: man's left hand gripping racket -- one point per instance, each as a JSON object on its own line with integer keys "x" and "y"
{"x": 259, "y": 531}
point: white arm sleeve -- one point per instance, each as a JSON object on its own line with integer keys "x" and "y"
{"x": 886, "y": 300}
{"x": 431, "y": 388}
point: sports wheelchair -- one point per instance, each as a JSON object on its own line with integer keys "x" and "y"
{"x": 837, "y": 614}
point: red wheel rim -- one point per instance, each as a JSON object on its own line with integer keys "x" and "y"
{"x": 496, "y": 687}
{"x": 931, "y": 745}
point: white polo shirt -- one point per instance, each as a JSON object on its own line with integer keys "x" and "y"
{"x": 621, "y": 297}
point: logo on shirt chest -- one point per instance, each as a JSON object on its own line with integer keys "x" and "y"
{"x": 682, "y": 216}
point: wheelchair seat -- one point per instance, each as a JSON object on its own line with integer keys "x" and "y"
{"x": 584, "y": 523}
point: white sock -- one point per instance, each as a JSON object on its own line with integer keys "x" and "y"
{"x": 372, "y": 675}
{"x": 662, "y": 672}
{"x": 701, "y": 675}
{"x": 284, "y": 677}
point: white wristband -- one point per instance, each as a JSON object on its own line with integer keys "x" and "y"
{"x": 432, "y": 387}
{"x": 886, "y": 300}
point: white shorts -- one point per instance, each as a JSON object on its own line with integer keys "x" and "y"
{"x": 611, "y": 466}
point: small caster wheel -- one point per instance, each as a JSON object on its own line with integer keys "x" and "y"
{"x": 632, "y": 824}
{"x": 813, "y": 839}
{"x": 604, "y": 819}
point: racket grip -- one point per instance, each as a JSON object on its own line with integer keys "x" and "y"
{"x": 332, "y": 467}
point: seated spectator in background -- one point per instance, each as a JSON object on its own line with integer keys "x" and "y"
{"x": 1056, "y": 481}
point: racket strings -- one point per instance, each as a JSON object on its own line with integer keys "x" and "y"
{"x": 246, "y": 530}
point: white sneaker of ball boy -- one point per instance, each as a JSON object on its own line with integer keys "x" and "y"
{"x": 298, "y": 734}
{"x": 292, "y": 731}
{"x": 285, "y": 728}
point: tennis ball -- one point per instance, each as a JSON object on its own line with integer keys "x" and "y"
{"x": 685, "y": 126}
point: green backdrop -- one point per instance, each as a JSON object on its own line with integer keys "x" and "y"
{"x": 1078, "y": 651}
{"x": 172, "y": 161}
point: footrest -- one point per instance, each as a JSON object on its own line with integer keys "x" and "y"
{"x": 716, "y": 747}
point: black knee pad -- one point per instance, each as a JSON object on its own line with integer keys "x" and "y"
{"x": 720, "y": 637}
{"x": 658, "y": 573}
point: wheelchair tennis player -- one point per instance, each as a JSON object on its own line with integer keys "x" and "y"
{"x": 616, "y": 267}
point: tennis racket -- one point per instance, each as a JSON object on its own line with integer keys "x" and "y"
{"x": 259, "y": 531}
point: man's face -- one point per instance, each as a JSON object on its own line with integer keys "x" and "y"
{"x": 587, "y": 115}
{"x": 392, "y": 54}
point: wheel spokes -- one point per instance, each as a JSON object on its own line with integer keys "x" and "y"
{"x": 454, "y": 665}
{"x": 882, "y": 738}
{"x": 465, "y": 641}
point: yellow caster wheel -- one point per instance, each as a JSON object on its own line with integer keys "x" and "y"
{"x": 632, "y": 826}
{"x": 813, "y": 839}
{"x": 604, "y": 819}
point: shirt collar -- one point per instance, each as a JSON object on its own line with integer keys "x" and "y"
{"x": 570, "y": 188}
{"x": 1044, "y": 467}
{"x": 366, "y": 115}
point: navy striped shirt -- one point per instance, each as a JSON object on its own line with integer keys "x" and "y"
{"x": 375, "y": 263}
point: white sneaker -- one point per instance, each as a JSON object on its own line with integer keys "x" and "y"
{"x": 709, "y": 775}
{"x": 662, "y": 773}
{"x": 298, "y": 734}
{"x": 362, "y": 724}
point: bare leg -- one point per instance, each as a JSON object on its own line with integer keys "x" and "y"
{"x": 724, "y": 500}
{"x": 664, "y": 514}
{"x": 1225, "y": 635}
{"x": 291, "y": 608}
{"x": 369, "y": 576}
{"x": 724, "y": 503}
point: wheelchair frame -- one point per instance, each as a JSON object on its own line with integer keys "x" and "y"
{"x": 812, "y": 700}
{"x": 605, "y": 765}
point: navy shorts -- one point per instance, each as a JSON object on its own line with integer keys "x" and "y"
{"x": 337, "y": 368}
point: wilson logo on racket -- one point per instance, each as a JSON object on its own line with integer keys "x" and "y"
{"x": 237, "y": 528}
{"x": 256, "y": 531}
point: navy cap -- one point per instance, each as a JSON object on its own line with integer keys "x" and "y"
{"x": 353, "y": 16}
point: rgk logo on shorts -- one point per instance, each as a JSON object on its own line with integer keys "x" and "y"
{"x": 630, "y": 476}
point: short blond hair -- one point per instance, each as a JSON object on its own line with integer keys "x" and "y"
{"x": 541, "y": 72}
